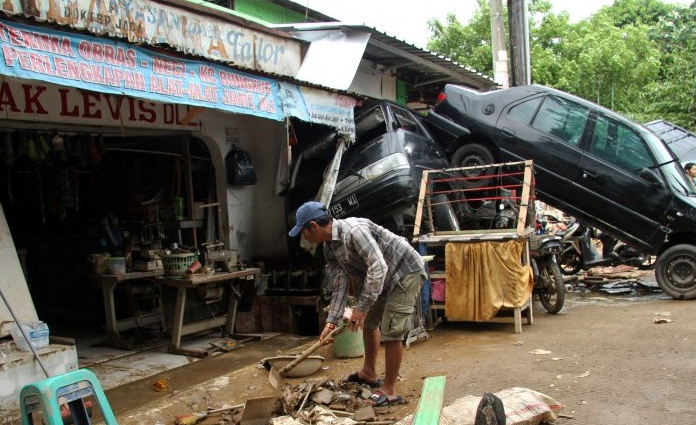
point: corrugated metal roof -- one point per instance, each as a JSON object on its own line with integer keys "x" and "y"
{"x": 425, "y": 72}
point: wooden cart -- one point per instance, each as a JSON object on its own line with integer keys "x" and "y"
{"x": 477, "y": 260}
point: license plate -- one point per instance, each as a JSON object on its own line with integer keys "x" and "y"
{"x": 345, "y": 206}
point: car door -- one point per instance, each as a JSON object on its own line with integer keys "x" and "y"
{"x": 548, "y": 130}
{"x": 613, "y": 182}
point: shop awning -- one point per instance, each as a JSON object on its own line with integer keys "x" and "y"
{"x": 113, "y": 67}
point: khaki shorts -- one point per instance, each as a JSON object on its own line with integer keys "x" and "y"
{"x": 393, "y": 314}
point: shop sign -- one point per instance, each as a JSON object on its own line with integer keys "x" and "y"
{"x": 24, "y": 100}
{"x": 115, "y": 68}
{"x": 154, "y": 23}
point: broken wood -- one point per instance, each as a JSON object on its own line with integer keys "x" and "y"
{"x": 304, "y": 400}
{"x": 342, "y": 413}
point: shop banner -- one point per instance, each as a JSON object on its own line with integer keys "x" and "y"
{"x": 117, "y": 68}
{"x": 319, "y": 107}
{"x": 155, "y": 24}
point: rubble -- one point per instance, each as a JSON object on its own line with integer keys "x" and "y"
{"x": 319, "y": 401}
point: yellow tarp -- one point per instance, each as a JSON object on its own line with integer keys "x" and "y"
{"x": 483, "y": 277}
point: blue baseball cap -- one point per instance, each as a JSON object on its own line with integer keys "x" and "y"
{"x": 307, "y": 212}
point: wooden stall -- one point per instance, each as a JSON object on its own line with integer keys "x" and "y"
{"x": 484, "y": 264}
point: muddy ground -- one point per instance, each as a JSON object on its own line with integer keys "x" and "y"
{"x": 609, "y": 363}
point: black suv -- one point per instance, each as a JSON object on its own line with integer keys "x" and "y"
{"x": 380, "y": 173}
{"x": 589, "y": 161}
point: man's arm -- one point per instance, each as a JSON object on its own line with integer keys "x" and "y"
{"x": 339, "y": 288}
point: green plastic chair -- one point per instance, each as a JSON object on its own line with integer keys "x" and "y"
{"x": 65, "y": 399}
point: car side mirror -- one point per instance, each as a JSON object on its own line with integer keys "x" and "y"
{"x": 651, "y": 176}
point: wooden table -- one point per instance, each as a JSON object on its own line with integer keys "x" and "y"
{"x": 179, "y": 328}
{"x": 114, "y": 327}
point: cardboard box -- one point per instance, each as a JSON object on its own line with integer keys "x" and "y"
{"x": 147, "y": 266}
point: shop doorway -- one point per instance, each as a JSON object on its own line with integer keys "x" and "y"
{"x": 69, "y": 195}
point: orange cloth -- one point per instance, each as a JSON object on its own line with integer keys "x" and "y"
{"x": 483, "y": 277}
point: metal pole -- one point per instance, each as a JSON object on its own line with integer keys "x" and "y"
{"x": 24, "y": 334}
{"x": 500, "y": 60}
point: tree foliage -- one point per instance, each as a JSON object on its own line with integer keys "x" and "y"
{"x": 470, "y": 44}
{"x": 635, "y": 56}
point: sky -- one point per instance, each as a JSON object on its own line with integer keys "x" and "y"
{"x": 408, "y": 19}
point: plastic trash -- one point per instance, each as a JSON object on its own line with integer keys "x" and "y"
{"x": 37, "y": 332}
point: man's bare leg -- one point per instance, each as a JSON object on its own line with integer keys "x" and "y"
{"x": 371, "y": 338}
{"x": 393, "y": 353}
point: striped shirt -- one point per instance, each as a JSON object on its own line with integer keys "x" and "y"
{"x": 373, "y": 257}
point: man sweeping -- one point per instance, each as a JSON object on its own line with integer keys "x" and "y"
{"x": 388, "y": 273}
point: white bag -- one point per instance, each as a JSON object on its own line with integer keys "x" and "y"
{"x": 37, "y": 332}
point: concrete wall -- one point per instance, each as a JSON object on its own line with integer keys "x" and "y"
{"x": 20, "y": 369}
{"x": 256, "y": 213}
{"x": 374, "y": 82}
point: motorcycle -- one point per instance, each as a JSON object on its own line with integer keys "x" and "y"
{"x": 579, "y": 253}
{"x": 544, "y": 249}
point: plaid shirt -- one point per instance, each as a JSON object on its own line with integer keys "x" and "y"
{"x": 373, "y": 257}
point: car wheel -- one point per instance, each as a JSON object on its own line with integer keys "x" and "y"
{"x": 472, "y": 155}
{"x": 443, "y": 214}
{"x": 676, "y": 272}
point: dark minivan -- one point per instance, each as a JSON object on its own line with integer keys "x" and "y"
{"x": 379, "y": 174}
{"x": 589, "y": 161}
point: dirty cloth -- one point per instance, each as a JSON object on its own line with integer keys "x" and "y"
{"x": 523, "y": 406}
{"x": 483, "y": 277}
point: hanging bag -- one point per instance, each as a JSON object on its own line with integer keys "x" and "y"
{"x": 240, "y": 171}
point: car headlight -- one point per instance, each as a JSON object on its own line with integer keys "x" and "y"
{"x": 392, "y": 162}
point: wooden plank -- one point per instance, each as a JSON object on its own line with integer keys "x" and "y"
{"x": 419, "y": 207}
{"x": 486, "y": 166}
{"x": 525, "y": 199}
{"x": 430, "y": 404}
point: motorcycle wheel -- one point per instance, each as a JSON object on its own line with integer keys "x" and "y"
{"x": 570, "y": 260}
{"x": 550, "y": 287}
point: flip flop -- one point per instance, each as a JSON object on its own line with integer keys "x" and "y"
{"x": 378, "y": 399}
{"x": 355, "y": 378}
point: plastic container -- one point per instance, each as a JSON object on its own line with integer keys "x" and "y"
{"x": 117, "y": 265}
{"x": 437, "y": 292}
{"x": 178, "y": 204}
{"x": 348, "y": 345}
{"x": 177, "y": 264}
{"x": 37, "y": 332}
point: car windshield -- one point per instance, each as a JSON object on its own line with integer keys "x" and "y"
{"x": 669, "y": 164}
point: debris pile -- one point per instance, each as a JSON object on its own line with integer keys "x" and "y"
{"x": 320, "y": 401}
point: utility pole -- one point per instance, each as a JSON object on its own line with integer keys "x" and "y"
{"x": 500, "y": 60}
{"x": 519, "y": 42}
